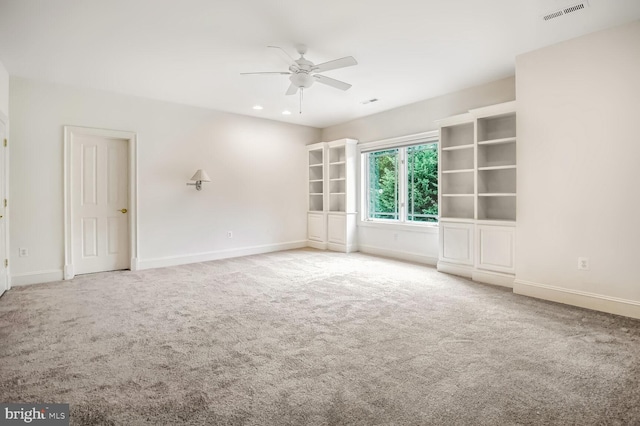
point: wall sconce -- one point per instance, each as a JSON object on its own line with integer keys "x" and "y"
{"x": 198, "y": 178}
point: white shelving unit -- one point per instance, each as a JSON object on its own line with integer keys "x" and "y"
{"x": 477, "y": 184}
{"x": 316, "y": 179}
{"x": 457, "y": 158}
{"x": 332, "y": 211}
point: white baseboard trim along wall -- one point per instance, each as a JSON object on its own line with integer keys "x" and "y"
{"x": 218, "y": 254}
{"x": 36, "y": 277}
{"x": 397, "y": 254}
{"x": 39, "y": 277}
{"x": 583, "y": 299}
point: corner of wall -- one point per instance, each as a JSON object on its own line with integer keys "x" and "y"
{"x": 4, "y": 91}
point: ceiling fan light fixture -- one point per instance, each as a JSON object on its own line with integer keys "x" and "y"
{"x": 286, "y": 112}
{"x": 258, "y": 107}
{"x": 302, "y": 80}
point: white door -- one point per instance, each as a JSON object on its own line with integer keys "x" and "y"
{"x": 4, "y": 279}
{"x": 99, "y": 203}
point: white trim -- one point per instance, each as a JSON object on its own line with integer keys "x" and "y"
{"x": 424, "y": 228}
{"x": 399, "y": 254}
{"x": 414, "y": 139}
{"x": 460, "y": 270}
{"x": 494, "y": 278}
{"x": 504, "y": 108}
{"x": 37, "y": 277}
{"x": 583, "y": 299}
{"x": 342, "y": 247}
{"x": 317, "y": 244}
{"x": 132, "y": 142}
{"x": 454, "y": 120}
{"x": 7, "y": 246}
{"x": 218, "y": 254}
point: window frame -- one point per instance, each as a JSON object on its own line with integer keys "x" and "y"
{"x": 401, "y": 143}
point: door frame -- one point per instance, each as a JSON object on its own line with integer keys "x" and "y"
{"x": 5, "y": 120}
{"x": 132, "y": 142}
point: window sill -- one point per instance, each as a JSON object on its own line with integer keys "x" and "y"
{"x": 431, "y": 228}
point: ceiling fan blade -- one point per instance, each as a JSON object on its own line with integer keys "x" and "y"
{"x": 347, "y": 61}
{"x": 293, "y": 61}
{"x": 332, "y": 82}
{"x": 266, "y": 72}
{"x": 292, "y": 90}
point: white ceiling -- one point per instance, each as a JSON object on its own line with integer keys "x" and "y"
{"x": 192, "y": 51}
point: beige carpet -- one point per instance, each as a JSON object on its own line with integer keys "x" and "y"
{"x": 307, "y": 337}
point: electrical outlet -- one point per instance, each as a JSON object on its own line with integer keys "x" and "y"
{"x": 23, "y": 252}
{"x": 229, "y": 234}
{"x": 583, "y": 263}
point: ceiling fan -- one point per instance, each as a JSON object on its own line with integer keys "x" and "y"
{"x": 303, "y": 73}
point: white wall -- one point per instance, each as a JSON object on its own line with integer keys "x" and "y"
{"x": 4, "y": 91}
{"x": 257, "y": 167}
{"x": 420, "y": 116}
{"x": 578, "y": 172}
{"x": 400, "y": 241}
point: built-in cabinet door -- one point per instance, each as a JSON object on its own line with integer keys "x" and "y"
{"x": 315, "y": 227}
{"x": 496, "y": 248}
{"x": 456, "y": 242}
{"x": 337, "y": 228}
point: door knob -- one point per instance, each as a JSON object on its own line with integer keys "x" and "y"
{"x": 123, "y": 211}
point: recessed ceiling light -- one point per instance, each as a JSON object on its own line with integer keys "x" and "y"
{"x": 257, "y": 107}
{"x": 286, "y": 112}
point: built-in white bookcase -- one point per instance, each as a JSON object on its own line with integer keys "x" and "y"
{"x": 316, "y": 179}
{"x": 457, "y": 158}
{"x": 332, "y": 195}
{"x": 496, "y": 164}
{"x": 477, "y": 186}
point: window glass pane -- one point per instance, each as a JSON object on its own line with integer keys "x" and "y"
{"x": 383, "y": 185}
{"x": 422, "y": 183}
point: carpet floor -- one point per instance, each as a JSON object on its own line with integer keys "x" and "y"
{"x": 307, "y": 337}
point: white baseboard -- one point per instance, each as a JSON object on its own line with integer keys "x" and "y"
{"x": 316, "y": 245}
{"x": 460, "y": 270}
{"x": 36, "y": 277}
{"x": 495, "y": 278}
{"x": 341, "y": 247}
{"x": 583, "y": 299}
{"x": 216, "y": 255}
{"x": 398, "y": 254}
{"x": 486, "y": 277}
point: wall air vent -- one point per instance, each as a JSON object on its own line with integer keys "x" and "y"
{"x": 566, "y": 10}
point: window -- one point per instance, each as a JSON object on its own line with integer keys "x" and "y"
{"x": 383, "y": 185}
{"x": 401, "y": 184}
{"x": 422, "y": 183}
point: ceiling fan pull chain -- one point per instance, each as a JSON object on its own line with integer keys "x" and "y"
{"x": 301, "y": 91}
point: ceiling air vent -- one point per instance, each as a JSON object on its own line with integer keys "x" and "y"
{"x": 368, "y": 101}
{"x": 566, "y": 10}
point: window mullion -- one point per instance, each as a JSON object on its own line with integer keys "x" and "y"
{"x": 402, "y": 181}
